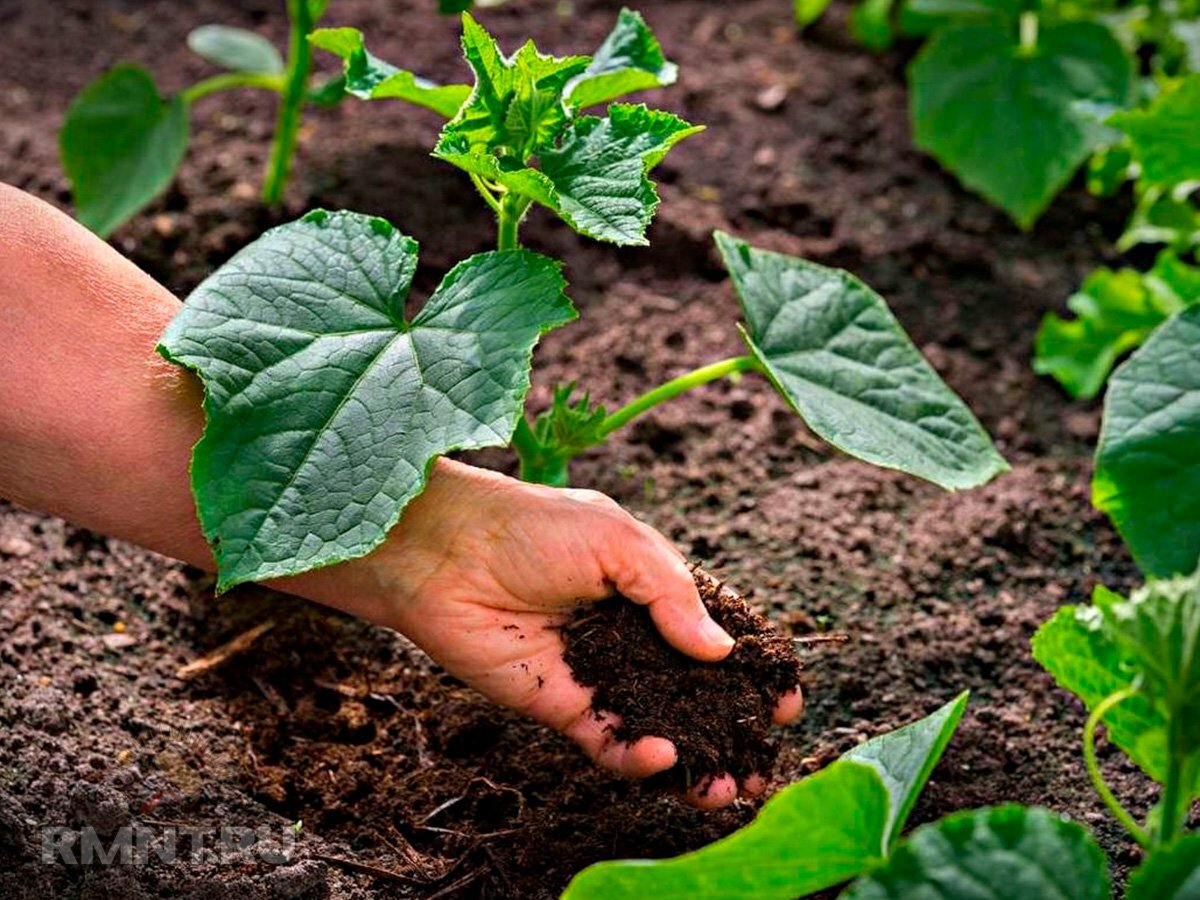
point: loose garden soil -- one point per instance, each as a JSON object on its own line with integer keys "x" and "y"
{"x": 407, "y": 783}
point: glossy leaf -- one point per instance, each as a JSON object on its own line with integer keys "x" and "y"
{"x": 325, "y": 406}
{"x": 1147, "y": 475}
{"x": 370, "y": 78}
{"x": 974, "y": 91}
{"x": 1170, "y": 873}
{"x": 630, "y": 59}
{"x": 1164, "y": 137}
{"x": 833, "y": 349}
{"x": 906, "y": 757}
{"x": 121, "y": 144}
{"x": 1115, "y": 311}
{"x": 236, "y": 49}
{"x": 998, "y": 853}
{"x": 816, "y": 833}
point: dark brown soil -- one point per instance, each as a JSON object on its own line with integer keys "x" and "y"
{"x": 717, "y": 714}
{"x": 390, "y": 762}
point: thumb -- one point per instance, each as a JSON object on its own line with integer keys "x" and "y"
{"x": 648, "y": 570}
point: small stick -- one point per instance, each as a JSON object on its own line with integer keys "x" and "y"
{"x": 226, "y": 651}
{"x": 364, "y": 868}
{"x": 832, "y": 637}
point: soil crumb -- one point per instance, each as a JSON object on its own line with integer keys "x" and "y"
{"x": 717, "y": 714}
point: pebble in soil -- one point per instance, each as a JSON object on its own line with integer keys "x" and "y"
{"x": 718, "y": 715}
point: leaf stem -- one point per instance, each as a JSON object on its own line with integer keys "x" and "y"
{"x": 228, "y": 81}
{"x": 647, "y": 401}
{"x": 1121, "y": 814}
{"x": 508, "y": 221}
{"x": 486, "y": 193}
{"x": 1028, "y": 24}
{"x": 287, "y": 124}
{"x": 1173, "y": 805}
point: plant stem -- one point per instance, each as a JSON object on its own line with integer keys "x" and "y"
{"x": 676, "y": 386}
{"x": 486, "y": 193}
{"x": 1173, "y": 805}
{"x": 1093, "y": 765}
{"x": 287, "y": 124}
{"x": 1029, "y": 32}
{"x": 227, "y": 81}
{"x": 508, "y": 221}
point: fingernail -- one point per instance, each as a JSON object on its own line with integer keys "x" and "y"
{"x": 715, "y": 634}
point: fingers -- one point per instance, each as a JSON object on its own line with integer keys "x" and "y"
{"x": 640, "y": 759}
{"x": 713, "y": 793}
{"x": 645, "y": 568}
{"x": 789, "y": 708}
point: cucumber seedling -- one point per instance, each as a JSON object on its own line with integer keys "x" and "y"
{"x": 122, "y": 141}
{"x": 326, "y": 405}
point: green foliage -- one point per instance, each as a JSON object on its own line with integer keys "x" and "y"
{"x": 630, "y": 59}
{"x": 999, "y": 853}
{"x": 370, "y": 78}
{"x": 1146, "y": 476}
{"x": 1165, "y": 136}
{"x": 591, "y": 171}
{"x": 806, "y": 12}
{"x": 568, "y": 428}
{"x": 236, "y": 49}
{"x": 812, "y": 835}
{"x": 121, "y": 144}
{"x": 835, "y": 352}
{"x": 325, "y": 406}
{"x": 1005, "y": 118}
{"x": 1115, "y": 311}
{"x": 1172, "y": 873}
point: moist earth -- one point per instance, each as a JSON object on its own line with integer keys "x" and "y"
{"x": 718, "y": 715}
{"x": 406, "y": 783}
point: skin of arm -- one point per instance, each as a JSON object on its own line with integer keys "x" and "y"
{"x": 97, "y": 428}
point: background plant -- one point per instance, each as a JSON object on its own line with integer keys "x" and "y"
{"x": 122, "y": 141}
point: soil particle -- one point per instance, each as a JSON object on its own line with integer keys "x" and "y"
{"x": 718, "y": 715}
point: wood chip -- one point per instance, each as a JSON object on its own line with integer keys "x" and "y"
{"x": 225, "y": 652}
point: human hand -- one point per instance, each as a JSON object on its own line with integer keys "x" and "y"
{"x": 482, "y": 567}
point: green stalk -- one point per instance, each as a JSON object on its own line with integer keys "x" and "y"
{"x": 227, "y": 81}
{"x": 647, "y": 401}
{"x": 287, "y": 125}
{"x": 508, "y": 221}
{"x": 1173, "y": 804}
{"x": 1028, "y": 24}
{"x": 1121, "y": 814}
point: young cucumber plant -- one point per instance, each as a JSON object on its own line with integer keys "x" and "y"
{"x": 326, "y": 405}
{"x": 122, "y": 141}
{"x": 1115, "y": 311}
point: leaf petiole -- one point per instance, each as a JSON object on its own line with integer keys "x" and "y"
{"x": 287, "y": 124}
{"x": 1121, "y": 814}
{"x": 725, "y": 368}
{"x": 228, "y": 81}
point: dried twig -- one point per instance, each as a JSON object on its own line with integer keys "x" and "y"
{"x": 364, "y": 868}
{"x": 832, "y": 637}
{"x": 226, "y": 651}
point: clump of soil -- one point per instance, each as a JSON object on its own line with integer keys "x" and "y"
{"x": 717, "y": 714}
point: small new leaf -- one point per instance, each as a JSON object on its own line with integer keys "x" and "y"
{"x": 121, "y": 144}
{"x": 1163, "y": 137}
{"x": 370, "y": 78}
{"x": 973, "y": 90}
{"x": 236, "y": 49}
{"x": 569, "y": 428}
{"x": 1147, "y": 478}
{"x": 835, "y": 352}
{"x": 1001, "y": 853}
{"x": 1115, "y": 311}
{"x": 325, "y": 405}
{"x": 630, "y": 59}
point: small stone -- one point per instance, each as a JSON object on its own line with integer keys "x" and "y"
{"x": 772, "y": 98}
{"x": 103, "y": 808}
{"x": 15, "y": 546}
{"x": 118, "y": 641}
{"x": 765, "y": 157}
{"x": 164, "y": 225}
{"x": 243, "y": 190}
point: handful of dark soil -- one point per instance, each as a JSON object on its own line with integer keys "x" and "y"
{"x": 717, "y": 714}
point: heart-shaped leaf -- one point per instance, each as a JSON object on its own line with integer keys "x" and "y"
{"x": 236, "y": 49}
{"x": 325, "y": 405}
{"x": 833, "y": 349}
{"x": 630, "y": 59}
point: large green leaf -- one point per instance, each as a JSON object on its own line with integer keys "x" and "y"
{"x": 833, "y": 349}
{"x": 1081, "y": 654}
{"x": 1115, "y": 311}
{"x": 596, "y": 177}
{"x": 998, "y": 853}
{"x": 1147, "y": 468}
{"x": 370, "y": 78}
{"x": 236, "y": 49}
{"x": 630, "y": 59}
{"x": 1171, "y": 873}
{"x": 121, "y": 144}
{"x": 922, "y": 17}
{"x": 813, "y": 834}
{"x": 905, "y": 759}
{"x": 1165, "y": 137}
{"x": 1005, "y": 121}
{"x": 326, "y": 406}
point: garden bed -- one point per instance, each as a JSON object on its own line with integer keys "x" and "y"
{"x": 391, "y": 764}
